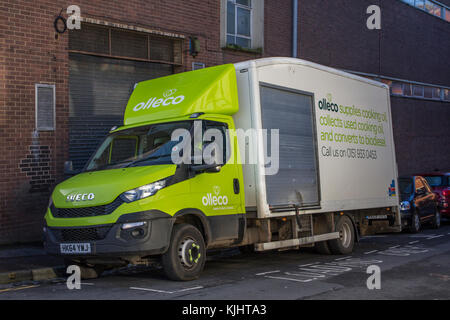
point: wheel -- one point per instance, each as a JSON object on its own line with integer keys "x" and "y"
{"x": 415, "y": 223}
{"x": 322, "y": 247}
{"x": 186, "y": 256}
{"x": 437, "y": 219}
{"x": 344, "y": 244}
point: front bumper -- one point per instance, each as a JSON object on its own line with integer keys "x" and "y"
{"x": 110, "y": 241}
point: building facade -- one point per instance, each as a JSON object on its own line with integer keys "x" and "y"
{"x": 62, "y": 89}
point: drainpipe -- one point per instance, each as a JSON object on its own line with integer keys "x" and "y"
{"x": 294, "y": 27}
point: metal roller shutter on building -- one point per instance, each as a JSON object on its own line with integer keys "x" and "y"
{"x": 99, "y": 89}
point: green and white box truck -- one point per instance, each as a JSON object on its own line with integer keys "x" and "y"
{"x": 306, "y": 158}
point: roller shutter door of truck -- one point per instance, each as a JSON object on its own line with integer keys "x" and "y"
{"x": 99, "y": 89}
{"x": 297, "y": 181}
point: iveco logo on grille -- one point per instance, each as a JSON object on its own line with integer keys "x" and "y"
{"x": 80, "y": 197}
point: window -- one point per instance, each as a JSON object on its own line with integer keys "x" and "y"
{"x": 420, "y": 4}
{"x": 239, "y": 21}
{"x": 216, "y": 133}
{"x": 407, "y": 90}
{"x": 437, "y": 93}
{"x": 437, "y": 181}
{"x": 132, "y": 45}
{"x": 45, "y": 107}
{"x": 446, "y": 94}
{"x": 410, "y": 89}
{"x": 396, "y": 88}
{"x": 417, "y": 91}
{"x": 428, "y": 92}
{"x": 432, "y": 7}
{"x": 140, "y": 146}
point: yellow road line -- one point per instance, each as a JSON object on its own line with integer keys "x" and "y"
{"x": 19, "y": 288}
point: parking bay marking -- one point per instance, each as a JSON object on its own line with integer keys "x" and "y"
{"x": 18, "y": 288}
{"x": 167, "y": 292}
{"x": 434, "y": 237}
{"x": 290, "y": 279}
{"x": 403, "y": 251}
{"x": 268, "y": 272}
{"x": 343, "y": 258}
{"x": 422, "y": 235}
{"x": 318, "y": 271}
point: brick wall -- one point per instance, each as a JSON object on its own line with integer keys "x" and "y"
{"x": 29, "y": 54}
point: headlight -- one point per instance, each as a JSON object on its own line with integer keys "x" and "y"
{"x": 405, "y": 206}
{"x": 144, "y": 191}
{"x": 50, "y": 202}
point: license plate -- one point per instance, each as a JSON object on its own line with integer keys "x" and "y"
{"x": 75, "y": 248}
{"x": 380, "y": 217}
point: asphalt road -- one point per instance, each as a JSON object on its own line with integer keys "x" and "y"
{"x": 413, "y": 266}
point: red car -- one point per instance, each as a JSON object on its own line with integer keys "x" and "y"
{"x": 440, "y": 183}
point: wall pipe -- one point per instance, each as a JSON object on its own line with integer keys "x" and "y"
{"x": 294, "y": 27}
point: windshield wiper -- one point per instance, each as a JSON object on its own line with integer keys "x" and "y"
{"x": 145, "y": 159}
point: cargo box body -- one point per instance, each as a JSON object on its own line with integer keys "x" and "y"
{"x": 336, "y": 149}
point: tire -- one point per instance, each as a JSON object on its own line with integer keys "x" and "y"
{"x": 346, "y": 241}
{"x": 322, "y": 247}
{"x": 415, "y": 223}
{"x": 186, "y": 256}
{"x": 437, "y": 219}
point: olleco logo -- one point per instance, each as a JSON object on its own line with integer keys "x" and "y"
{"x": 156, "y": 102}
{"x": 210, "y": 200}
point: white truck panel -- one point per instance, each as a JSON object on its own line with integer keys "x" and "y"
{"x": 352, "y": 175}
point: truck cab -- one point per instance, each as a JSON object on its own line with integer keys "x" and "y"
{"x": 142, "y": 183}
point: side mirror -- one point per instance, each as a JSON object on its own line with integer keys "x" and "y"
{"x": 68, "y": 169}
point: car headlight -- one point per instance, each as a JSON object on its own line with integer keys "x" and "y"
{"x": 144, "y": 191}
{"x": 405, "y": 206}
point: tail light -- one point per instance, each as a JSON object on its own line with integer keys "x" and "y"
{"x": 446, "y": 193}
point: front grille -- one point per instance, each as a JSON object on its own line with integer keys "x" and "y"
{"x": 80, "y": 234}
{"x": 87, "y": 211}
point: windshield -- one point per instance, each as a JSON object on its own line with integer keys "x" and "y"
{"x": 146, "y": 145}
{"x": 437, "y": 181}
{"x": 406, "y": 187}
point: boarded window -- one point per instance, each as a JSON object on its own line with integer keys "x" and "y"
{"x": 129, "y": 44}
{"x": 115, "y": 42}
{"x": 45, "y": 107}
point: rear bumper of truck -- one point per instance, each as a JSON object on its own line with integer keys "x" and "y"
{"x": 111, "y": 241}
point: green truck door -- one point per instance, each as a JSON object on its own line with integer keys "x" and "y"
{"x": 218, "y": 194}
